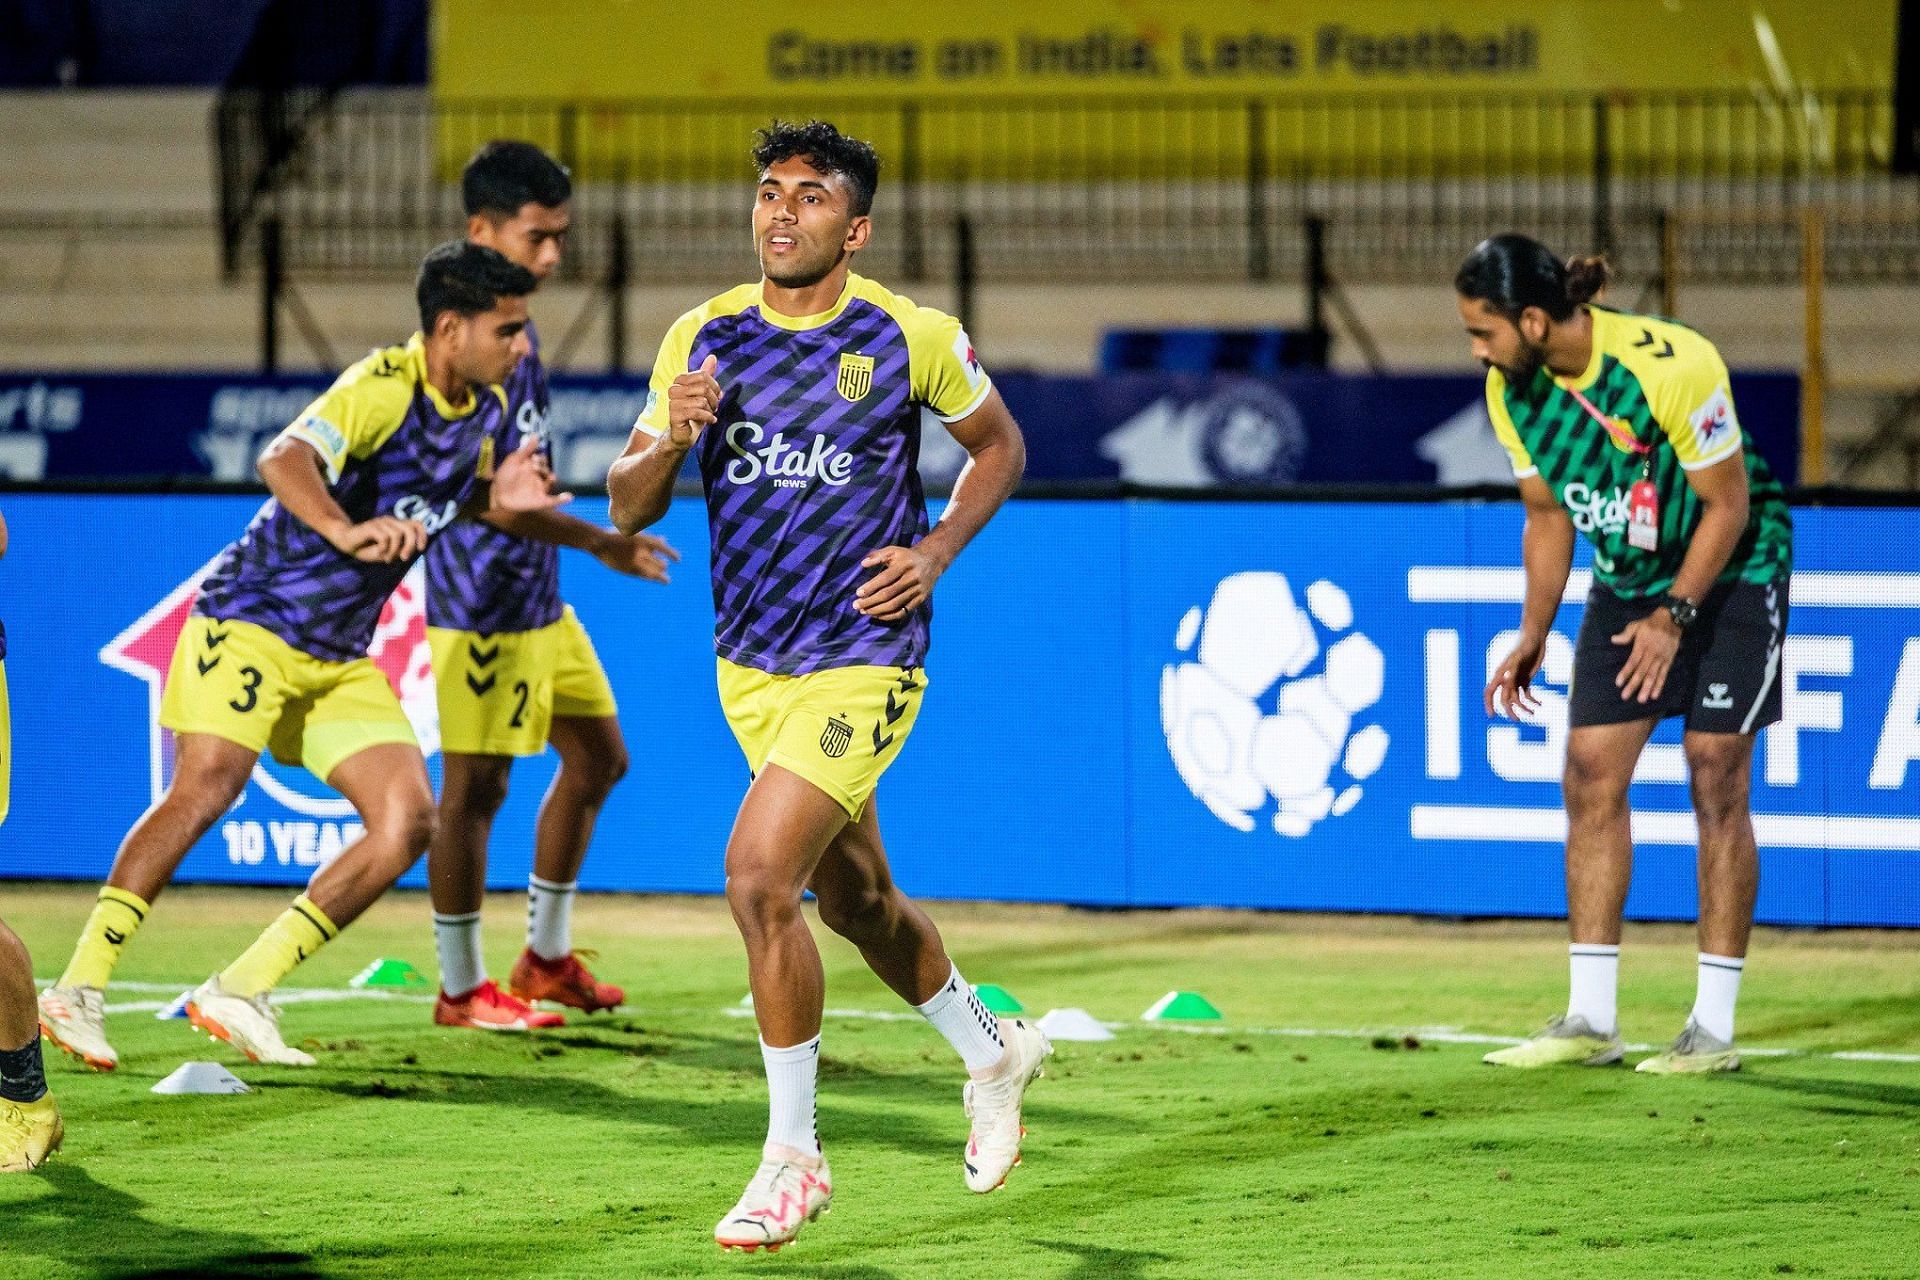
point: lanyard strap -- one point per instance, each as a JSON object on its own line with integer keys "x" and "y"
{"x": 1621, "y": 436}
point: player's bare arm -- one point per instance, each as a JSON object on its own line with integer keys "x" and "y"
{"x": 637, "y": 555}
{"x": 1546, "y": 550}
{"x": 996, "y": 459}
{"x": 1722, "y": 490}
{"x": 640, "y": 483}
{"x": 295, "y": 474}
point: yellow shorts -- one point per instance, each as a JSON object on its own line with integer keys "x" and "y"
{"x": 838, "y": 729}
{"x": 241, "y": 682}
{"x": 499, "y": 693}
{"x": 6, "y": 746}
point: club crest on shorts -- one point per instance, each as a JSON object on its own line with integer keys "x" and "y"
{"x": 856, "y": 376}
{"x": 836, "y": 737}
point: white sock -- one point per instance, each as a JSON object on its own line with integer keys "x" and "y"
{"x": 1593, "y": 972}
{"x": 550, "y": 917}
{"x": 1714, "y": 997}
{"x": 457, "y": 939}
{"x": 957, "y": 1014}
{"x": 791, "y": 1074}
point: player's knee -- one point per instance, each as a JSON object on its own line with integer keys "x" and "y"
{"x": 858, "y": 915}
{"x": 598, "y": 774}
{"x": 759, "y": 898}
{"x": 406, "y": 825}
{"x": 1592, "y": 782}
{"x": 480, "y": 791}
{"x": 1718, "y": 777}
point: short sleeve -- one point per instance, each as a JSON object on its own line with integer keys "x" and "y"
{"x": 356, "y": 415}
{"x": 675, "y": 350}
{"x": 946, "y": 373}
{"x": 1504, "y": 430}
{"x": 1692, "y": 401}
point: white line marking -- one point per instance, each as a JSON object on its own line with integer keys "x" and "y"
{"x": 1477, "y": 584}
{"x": 1549, "y": 826}
{"x": 1439, "y": 1035}
{"x": 284, "y": 995}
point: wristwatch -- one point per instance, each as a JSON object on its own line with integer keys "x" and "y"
{"x": 1682, "y": 611}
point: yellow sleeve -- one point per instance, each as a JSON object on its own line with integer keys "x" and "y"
{"x": 675, "y": 350}
{"x": 358, "y": 413}
{"x": 1692, "y": 400}
{"x": 1503, "y": 428}
{"x": 946, "y": 374}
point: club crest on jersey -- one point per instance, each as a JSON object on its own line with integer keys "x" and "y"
{"x": 856, "y": 376}
{"x": 836, "y": 738}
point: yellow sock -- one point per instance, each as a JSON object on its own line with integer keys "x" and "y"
{"x": 115, "y": 917}
{"x": 301, "y": 930}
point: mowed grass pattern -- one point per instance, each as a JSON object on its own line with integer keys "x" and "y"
{"x": 610, "y": 1147}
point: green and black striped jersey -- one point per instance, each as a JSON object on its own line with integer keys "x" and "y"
{"x": 1663, "y": 387}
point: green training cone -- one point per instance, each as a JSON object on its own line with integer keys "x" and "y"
{"x": 386, "y": 972}
{"x": 998, "y": 999}
{"x": 1184, "y": 1005}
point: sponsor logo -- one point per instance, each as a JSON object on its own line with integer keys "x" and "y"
{"x": 1245, "y": 433}
{"x": 1717, "y": 698}
{"x": 963, "y": 349}
{"x": 856, "y": 376}
{"x": 1712, "y": 421}
{"x": 788, "y": 466}
{"x": 418, "y": 509}
{"x": 1265, "y": 713}
{"x": 1594, "y": 509}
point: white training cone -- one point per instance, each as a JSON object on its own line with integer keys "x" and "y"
{"x": 202, "y": 1077}
{"x": 1073, "y": 1024}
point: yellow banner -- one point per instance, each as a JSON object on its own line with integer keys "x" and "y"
{"x": 603, "y": 49}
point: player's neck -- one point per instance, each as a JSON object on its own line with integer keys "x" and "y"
{"x": 454, "y": 389}
{"x": 1570, "y": 346}
{"x": 807, "y": 300}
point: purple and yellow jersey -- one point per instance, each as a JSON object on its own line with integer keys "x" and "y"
{"x": 391, "y": 445}
{"x": 813, "y": 464}
{"x": 484, "y": 579}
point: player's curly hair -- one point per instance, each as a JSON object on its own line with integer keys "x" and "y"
{"x": 505, "y": 175}
{"x": 827, "y": 149}
{"x": 467, "y": 278}
{"x": 1513, "y": 272}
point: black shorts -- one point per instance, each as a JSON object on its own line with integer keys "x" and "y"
{"x": 1725, "y": 679}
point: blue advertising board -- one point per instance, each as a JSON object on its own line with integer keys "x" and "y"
{"x": 1146, "y": 703}
{"x": 1187, "y": 430}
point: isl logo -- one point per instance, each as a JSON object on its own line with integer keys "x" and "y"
{"x": 1265, "y": 708}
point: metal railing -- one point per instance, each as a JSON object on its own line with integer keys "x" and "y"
{"x": 1107, "y": 190}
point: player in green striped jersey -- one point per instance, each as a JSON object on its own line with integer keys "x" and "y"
{"x": 1622, "y": 427}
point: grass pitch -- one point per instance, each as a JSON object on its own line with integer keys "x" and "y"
{"x": 610, "y": 1147}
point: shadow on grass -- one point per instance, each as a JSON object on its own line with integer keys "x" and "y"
{"x": 1097, "y": 1263}
{"x": 1896, "y": 1096}
{"x": 139, "y": 1248}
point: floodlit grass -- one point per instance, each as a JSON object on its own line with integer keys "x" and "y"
{"x": 610, "y": 1147}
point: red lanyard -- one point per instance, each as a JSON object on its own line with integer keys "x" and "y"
{"x": 1620, "y": 434}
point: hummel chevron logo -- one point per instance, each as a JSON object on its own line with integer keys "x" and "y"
{"x": 483, "y": 657}
{"x": 879, "y": 743}
{"x": 207, "y": 664}
{"x": 907, "y": 683}
{"x": 1647, "y": 340}
{"x": 479, "y": 686}
{"x": 115, "y": 937}
{"x": 214, "y": 639}
{"x": 894, "y": 709}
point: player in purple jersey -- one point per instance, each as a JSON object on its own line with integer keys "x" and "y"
{"x": 514, "y": 668}
{"x": 801, "y": 396}
{"x": 274, "y": 655}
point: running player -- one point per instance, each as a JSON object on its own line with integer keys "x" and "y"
{"x": 1622, "y": 426}
{"x": 30, "y": 1128}
{"x": 515, "y": 669}
{"x": 800, "y": 394}
{"x": 274, "y": 654}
